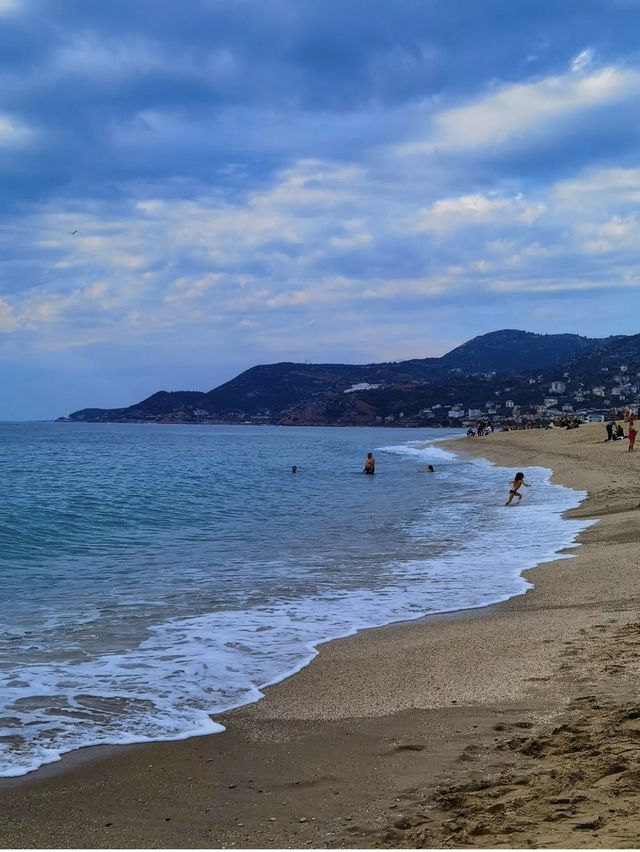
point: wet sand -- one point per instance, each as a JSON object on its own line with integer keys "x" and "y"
{"x": 514, "y": 725}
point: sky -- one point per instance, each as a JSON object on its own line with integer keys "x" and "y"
{"x": 189, "y": 189}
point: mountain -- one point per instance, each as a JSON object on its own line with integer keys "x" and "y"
{"x": 471, "y": 375}
{"x": 607, "y": 356}
{"x": 512, "y": 351}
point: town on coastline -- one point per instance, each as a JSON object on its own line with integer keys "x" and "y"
{"x": 563, "y": 405}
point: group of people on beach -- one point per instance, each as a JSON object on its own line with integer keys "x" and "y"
{"x": 480, "y": 429}
{"x": 615, "y": 432}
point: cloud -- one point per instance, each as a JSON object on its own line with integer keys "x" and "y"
{"x": 616, "y": 234}
{"x": 467, "y": 210}
{"x": 13, "y": 133}
{"x": 234, "y": 169}
{"x": 354, "y": 240}
{"x": 95, "y": 298}
{"x": 510, "y": 113}
{"x": 600, "y": 187}
{"x": 8, "y": 321}
{"x": 320, "y": 237}
{"x": 89, "y": 55}
{"x": 568, "y": 286}
{"x": 582, "y": 60}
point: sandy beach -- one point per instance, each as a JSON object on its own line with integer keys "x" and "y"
{"x": 515, "y": 725}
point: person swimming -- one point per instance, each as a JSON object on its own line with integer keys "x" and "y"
{"x": 294, "y": 468}
{"x": 516, "y": 485}
{"x": 426, "y": 469}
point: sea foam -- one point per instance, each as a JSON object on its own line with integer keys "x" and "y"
{"x": 186, "y": 670}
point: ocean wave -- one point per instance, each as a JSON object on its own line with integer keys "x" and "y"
{"x": 467, "y": 551}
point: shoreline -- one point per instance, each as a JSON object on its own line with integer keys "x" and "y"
{"x": 358, "y": 741}
{"x": 85, "y": 753}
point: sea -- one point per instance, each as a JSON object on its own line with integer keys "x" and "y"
{"x": 155, "y": 576}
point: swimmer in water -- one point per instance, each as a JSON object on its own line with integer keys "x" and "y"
{"x": 516, "y": 485}
{"x": 370, "y": 464}
{"x": 294, "y": 468}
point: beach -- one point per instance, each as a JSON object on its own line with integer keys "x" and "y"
{"x": 513, "y": 725}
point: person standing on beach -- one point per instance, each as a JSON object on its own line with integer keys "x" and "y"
{"x": 370, "y": 464}
{"x": 516, "y": 485}
{"x": 631, "y": 435}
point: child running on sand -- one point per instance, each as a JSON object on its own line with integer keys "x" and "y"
{"x": 514, "y": 491}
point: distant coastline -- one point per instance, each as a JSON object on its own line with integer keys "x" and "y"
{"x": 510, "y": 377}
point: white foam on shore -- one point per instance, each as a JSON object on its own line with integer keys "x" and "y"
{"x": 189, "y": 669}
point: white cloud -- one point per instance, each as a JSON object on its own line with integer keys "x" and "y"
{"x": 434, "y": 286}
{"x": 96, "y": 300}
{"x": 277, "y": 255}
{"x": 565, "y": 286}
{"x": 190, "y": 288}
{"x": 599, "y": 188}
{"x": 354, "y": 241}
{"x": 464, "y": 210}
{"x": 478, "y": 206}
{"x": 616, "y": 234}
{"x": 8, "y": 321}
{"x": 311, "y": 183}
{"x": 13, "y": 132}
{"x": 514, "y": 111}
{"x": 582, "y": 60}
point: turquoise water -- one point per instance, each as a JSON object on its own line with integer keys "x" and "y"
{"x": 154, "y": 575}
